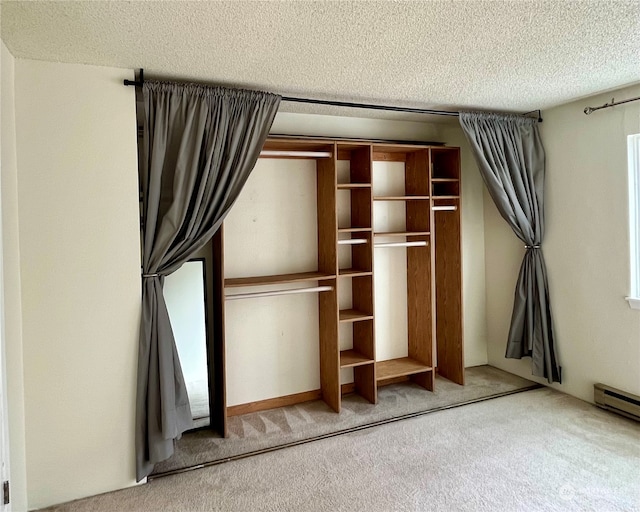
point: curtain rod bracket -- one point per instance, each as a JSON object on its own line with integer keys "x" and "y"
{"x": 136, "y": 83}
{"x": 539, "y": 114}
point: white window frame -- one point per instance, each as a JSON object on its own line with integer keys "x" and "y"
{"x": 633, "y": 145}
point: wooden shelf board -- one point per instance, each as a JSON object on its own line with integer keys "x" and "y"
{"x": 445, "y": 197}
{"x": 351, "y": 358}
{"x": 277, "y": 279}
{"x": 445, "y": 180}
{"x": 399, "y": 367}
{"x": 402, "y": 233}
{"x": 349, "y": 186}
{"x": 353, "y": 315}
{"x": 353, "y": 272}
{"x": 353, "y": 230}
{"x": 401, "y": 198}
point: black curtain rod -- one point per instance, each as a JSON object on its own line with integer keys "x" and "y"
{"x": 368, "y": 106}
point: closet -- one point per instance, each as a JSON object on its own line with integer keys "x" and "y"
{"x": 385, "y": 281}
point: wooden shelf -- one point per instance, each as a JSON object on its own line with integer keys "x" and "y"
{"x": 277, "y": 279}
{"x": 399, "y": 368}
{"x": 350, "y": 186}
{"x": 354, "y": 230}
{"x": 353, "y": 272}
{"x": 402, "y": 233}
{"x": 444, "y": 180}
{"x": 351, "y": 358}
{"x": 445, "y": 197}
{"x": 353, "y": 315}
{"x": 401, "y": 198}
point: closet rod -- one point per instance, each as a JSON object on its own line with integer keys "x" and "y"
{"x": 278, "y": 292}
{"x": 352, "y": 241}
{"x": 402, "y": 244}
{"x": 444, "y": 208}
{"x": 349, "y": 104}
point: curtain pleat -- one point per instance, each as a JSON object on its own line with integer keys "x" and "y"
{"x": 200, "y": 146}
{"x": 511, "y": 159}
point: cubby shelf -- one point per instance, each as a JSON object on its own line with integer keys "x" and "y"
{"x": 353, "y": 315}
{"x": 351, "y": 186}
{"x": 401, "y": 198}
{"x": 402, "y": 233}
{"x": 353, "y": 272}
{"x": 277, "y": 279}
{"x": 351, "y": 358}
{"x": 399, "y": 368}
{"x": 354, "y": 230}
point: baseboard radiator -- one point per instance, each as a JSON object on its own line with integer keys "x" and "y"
{"x": 617, "y": 401}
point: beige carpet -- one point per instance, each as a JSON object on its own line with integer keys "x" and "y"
{"x": 256, "y": 432}
{"x": 539, "y": 450}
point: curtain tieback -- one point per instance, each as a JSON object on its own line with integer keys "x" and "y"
{"x": 145, "y": 276}
{"x": 532, "y": 247}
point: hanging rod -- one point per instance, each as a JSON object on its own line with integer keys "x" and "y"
{"x": 444, "y": 208}
{"x": 613, "y": 103}
{"x": 369, "y": 106}
{"x": 402, "y": 244}
{"x": 352, "y": 241}
{"x": 278, "y": 292}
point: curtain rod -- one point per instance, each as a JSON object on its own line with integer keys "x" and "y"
{"x": 368, "y": 106}
{"x": 613, "y": 103}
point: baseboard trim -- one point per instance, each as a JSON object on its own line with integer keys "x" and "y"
{"x": 273, "y": 403}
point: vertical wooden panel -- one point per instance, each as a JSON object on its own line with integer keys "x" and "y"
{"x": 328, "y": 262}
{"x": 326, "y": 213}
{"x": 329, "y": 349}
{"x": 419, "y": 282}
{"x": 216, "y": 345}
{"x": 449, "y": 295}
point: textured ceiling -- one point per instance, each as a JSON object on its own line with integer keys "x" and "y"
{"x": 495, "y": 55}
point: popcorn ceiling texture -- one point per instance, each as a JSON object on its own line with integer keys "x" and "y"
{"x": 514, "y": 56}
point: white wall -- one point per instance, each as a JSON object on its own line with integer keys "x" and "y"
{"x": 80, "y": 271}
{"x": 586, "y": 249}
{"x": 12, "y": 293}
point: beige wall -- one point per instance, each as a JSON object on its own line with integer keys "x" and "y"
{"x": 11, "y": 278}
{"x": 80, "y": 271}
{"x": 586, "y": 249}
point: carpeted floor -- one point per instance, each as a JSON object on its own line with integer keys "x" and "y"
{"x": 538, "y": 450}
{"x": 266, "y": 430}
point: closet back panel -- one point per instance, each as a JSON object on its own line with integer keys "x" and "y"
{"x": 272, "y": 342}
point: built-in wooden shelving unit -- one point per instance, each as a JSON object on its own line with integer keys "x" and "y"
{"x": 347, "y": 243}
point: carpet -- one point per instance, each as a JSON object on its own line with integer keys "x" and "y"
{"x": 538, "y": 450}
{"x": 256, "y": 432}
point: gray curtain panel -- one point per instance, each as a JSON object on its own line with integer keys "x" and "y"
{"x": 200, "y": 145}
{"x": 511, "y": 159}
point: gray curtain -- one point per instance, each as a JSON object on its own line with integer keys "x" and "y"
{"x": 200, "y": 145}
{"x": 511, "y": 159}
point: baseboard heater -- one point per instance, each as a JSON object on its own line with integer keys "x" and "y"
{"x": 617, "y": 401}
